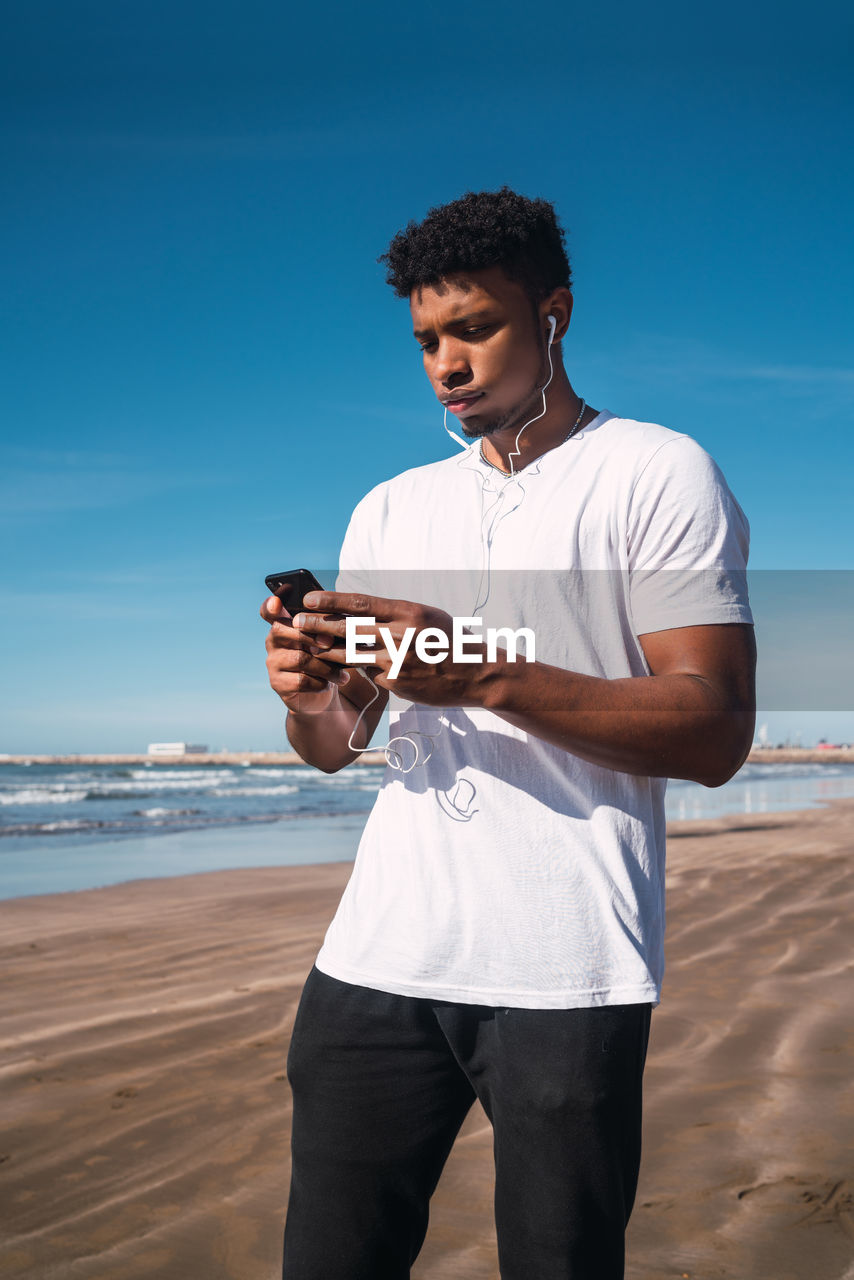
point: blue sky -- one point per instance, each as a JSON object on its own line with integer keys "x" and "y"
{"x": 204, "y": 369}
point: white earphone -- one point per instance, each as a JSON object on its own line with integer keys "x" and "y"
{"x": 552, "y": 327}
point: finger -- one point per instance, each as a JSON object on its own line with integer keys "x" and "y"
{"x": 330, "y": 638}
{"x": 328, "y": 629}
{"x": 379, "y": 657}
{"x": 272, "y": 610}
{"x": 320, "y": 627}
{"x": 283, "y": 636}
{"x": 349, "y": 602}
{"x": 297, "y": 663}
{"x": 302, "y": 684}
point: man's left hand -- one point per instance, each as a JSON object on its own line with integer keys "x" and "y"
{"x": 444, "y": 683}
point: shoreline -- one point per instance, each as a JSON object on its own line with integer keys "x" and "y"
{"x": 59, "y": 860}
{"x": 344, "y": 832}
{"x": 93, "y": 865}
{"x": 761, "y": 755}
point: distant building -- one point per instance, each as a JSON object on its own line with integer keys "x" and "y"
{"x": 175, "y": 749}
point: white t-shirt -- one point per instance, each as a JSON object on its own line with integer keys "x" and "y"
{"x": 505, "y": 871}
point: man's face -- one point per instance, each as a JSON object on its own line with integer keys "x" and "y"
{"x": 482, "y": 347}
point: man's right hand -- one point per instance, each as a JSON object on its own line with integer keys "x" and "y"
{"x": 304, "y": 682}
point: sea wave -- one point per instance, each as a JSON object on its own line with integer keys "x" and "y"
{"x": 72, "y": 824}
{"x": 164, "y": 813}
{"x": 165, "y": 821}
{"x": 283, "y": 790}
{"x": 60, "y": 827}
{"x": 41, "y": 795}
{"x": 174, "y": 773}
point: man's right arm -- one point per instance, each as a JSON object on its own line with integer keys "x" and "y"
{"x": 321, "y": 738}
{"x": 323, "y": 699}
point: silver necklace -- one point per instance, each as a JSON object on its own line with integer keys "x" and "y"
{"x": 575, "y": 426}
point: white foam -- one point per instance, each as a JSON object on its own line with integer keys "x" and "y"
{"x": 41, "y": 795}
{"x": 111, "y": 787}
{"x": 164, "y": 813}
{"x": 187, "y": 775}
{"x": 284, "y": 790}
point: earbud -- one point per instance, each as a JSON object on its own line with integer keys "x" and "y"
{"x": 552, "y": 327}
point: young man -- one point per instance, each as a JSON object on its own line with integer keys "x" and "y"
{"x": 501, "y": 934}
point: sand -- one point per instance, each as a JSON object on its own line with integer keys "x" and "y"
{"x": 144, "y": 1028}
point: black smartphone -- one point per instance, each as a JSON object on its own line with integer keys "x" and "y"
{"x": 291, "y": 587}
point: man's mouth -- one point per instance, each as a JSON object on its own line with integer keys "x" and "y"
{"x": 458, "y": 401}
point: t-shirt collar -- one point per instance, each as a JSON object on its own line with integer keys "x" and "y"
{"x": 474, "y": 454}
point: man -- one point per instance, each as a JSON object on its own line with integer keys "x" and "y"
{"x": 500, "y": 937}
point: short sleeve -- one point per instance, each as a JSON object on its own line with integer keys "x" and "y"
{"x": 360, "y": 560}
{"x": 688, "y": 542}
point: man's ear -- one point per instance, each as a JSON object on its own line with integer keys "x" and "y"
{"x": 559, "y": 305}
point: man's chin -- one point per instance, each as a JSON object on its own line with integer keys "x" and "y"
{"x": 476, "y": 430}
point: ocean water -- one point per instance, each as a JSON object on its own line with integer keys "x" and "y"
{"x": 762, "y": 788}
{"x": 86, "y": 802}
{"x": 74, "y": 827}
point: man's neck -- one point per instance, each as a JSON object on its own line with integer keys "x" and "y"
{"x": 562, "y": 415}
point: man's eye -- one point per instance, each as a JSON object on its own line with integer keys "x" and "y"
{"x": 426, "y": 346}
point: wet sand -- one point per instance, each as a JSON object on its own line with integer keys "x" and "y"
{"x": 144, "y": 1028}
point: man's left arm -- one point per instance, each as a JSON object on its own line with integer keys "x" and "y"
{"x": 692, "y": 717}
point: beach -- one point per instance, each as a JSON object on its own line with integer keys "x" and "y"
{"x": 144, "y": 1029}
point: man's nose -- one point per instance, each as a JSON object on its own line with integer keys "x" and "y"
{"x": 452, "y": 363}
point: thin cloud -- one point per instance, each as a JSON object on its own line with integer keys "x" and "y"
{"x": 796, "y": 373}
{"x": 655, "y": 357}
{"x": 35, "y": 482}
{"x": 74, "y": 606}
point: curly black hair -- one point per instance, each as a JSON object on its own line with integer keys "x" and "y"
{"x": 482, "y": 229}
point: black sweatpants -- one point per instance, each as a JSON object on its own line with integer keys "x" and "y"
{"x": 381, "y": 1084}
